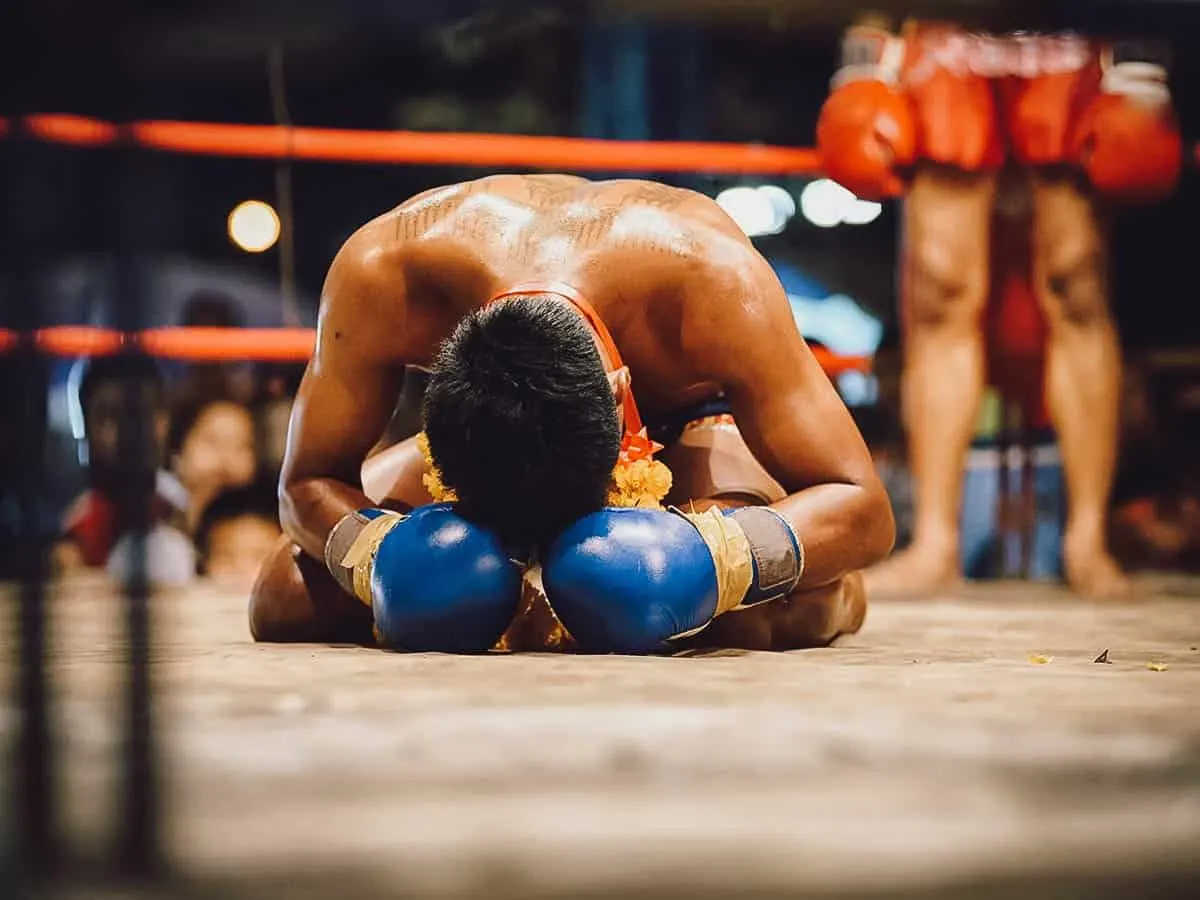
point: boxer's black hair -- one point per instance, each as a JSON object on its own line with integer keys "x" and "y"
{"x": 521, "y": 419}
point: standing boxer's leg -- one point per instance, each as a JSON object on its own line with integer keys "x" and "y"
{"x": 945, "y": 282}
{"x": 1083, "y": 371}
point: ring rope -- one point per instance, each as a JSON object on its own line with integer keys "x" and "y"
{"x": 194, "y": 344}
{"x": 432, "y": 148}
{"x": 423, "y": 148}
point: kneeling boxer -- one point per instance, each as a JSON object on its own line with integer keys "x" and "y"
{"x": 535, "y": 303}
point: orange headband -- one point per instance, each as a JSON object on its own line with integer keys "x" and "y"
{"x": 635, "y": 443}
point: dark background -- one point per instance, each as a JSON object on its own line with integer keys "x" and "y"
{"x": 755, "y": 70}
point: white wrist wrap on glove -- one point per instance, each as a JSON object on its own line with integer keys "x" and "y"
{"x": 869, "y": 53}
{"x": 1144, "y": 83}
{"x": 351, "y": 565}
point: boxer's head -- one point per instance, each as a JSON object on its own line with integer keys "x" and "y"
{"x": 521, "y": 419}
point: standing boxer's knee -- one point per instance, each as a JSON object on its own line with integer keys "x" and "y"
{"x": 946, "y": 249}
{"x": 947, "y": 284}
{"x": 1071, "y": 258}
{"x": 1074, "y": 290}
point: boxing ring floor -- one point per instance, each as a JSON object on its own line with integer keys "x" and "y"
{"x": 967, "y": 746}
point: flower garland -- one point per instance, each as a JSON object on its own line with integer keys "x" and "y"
{"x": 432, "y": 478}
{"x": 643, "y": 482}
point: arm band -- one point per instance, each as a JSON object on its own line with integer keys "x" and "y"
{"x": 777, "y": 552}
{"x": 339, "y": 542}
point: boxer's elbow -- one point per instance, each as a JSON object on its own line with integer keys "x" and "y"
{"x": 297, "y": 501}
{"x": 875, "y": 523}
{"x": 289, "y": 494}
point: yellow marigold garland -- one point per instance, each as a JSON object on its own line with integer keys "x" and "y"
{"x": 640, "y": 482}
{"x": 432, "y": 479}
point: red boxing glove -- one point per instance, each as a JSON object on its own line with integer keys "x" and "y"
{"x": 1126, "y": 138}
{"x": 866, "y": 130}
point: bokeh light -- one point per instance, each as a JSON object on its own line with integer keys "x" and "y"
{"x": 253, "y": 226}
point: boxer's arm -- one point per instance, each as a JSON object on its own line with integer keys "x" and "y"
{"x": 796, "y": 425}
{"x": 345, "y": 399}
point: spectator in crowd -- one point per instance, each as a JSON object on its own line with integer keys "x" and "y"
{"x": 237, "y": 531}
{"x": 235, "y": 380}
{"x": 213, "y": 447}
{"x": 273, "y": 412}
{"x": 10, "y": 460}
{"x": 1156, "y": 497}
{"x": 115, "y": 394}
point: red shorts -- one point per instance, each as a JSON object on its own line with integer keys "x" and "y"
{"x": 982, "y": 99}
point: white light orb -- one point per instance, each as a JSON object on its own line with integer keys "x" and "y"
{"x": 862, "y": 212}
{"x": 783, "y": 204}
{"x": 750, "y": 209}
{"x": 253, "y": 226}
{"x": 825, "y": 203}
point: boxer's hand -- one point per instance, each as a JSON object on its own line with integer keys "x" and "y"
{"x": 631, "y": 580}
{"x": 433, "y": 580}
{"x": 1126, "y": 138}
{"x": 866, "y": 131}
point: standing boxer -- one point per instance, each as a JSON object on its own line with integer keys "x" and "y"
{"x": 933, "y": 113}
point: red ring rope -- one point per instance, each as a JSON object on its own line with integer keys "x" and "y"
{"x": 424, "y": 148}
{"x": 225, "y": 344}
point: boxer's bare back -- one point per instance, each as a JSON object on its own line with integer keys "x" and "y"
{"x": 692, "y": 306}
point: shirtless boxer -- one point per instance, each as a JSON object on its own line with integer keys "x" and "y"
{"x": 520, "y": 412}
{"x": 933, "y": 113}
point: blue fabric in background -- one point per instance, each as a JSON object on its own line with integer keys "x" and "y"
{"x": 985, "y": 552}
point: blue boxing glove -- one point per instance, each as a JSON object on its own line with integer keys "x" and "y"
{"x": 433, "y": 580}
{"x": 632, "y": 580}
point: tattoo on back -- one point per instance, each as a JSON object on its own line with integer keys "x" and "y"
{"x": 546, "y": 190}
{"x": 412, "y": 223}
{"x": 657, "y": 195}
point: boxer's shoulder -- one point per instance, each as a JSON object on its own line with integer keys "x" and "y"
{"x": 730, "y": 301}
{"x": 369, "y": 263}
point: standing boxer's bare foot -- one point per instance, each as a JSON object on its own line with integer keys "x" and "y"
{"x": 915, "y": 572}
{"x": 1091, "y": 570}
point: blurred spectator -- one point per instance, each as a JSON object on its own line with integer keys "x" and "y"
{"x": 213, "y": 309}
{"x": 169, "y": 558}
{"x": 10, "y": 460}
{"x": 212, "y": 445}
{"x": 1156, "y": 497}
{"x": 111, "y": 392}
{"x": 237, "y": 531}
{"x": 1143, "y": 468}
{"x": 273, "y": 413}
